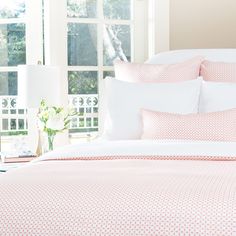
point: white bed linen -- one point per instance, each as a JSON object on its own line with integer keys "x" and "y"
{"x": 125, "y": 100}
{"x": 175, "y": 56}
{"x": 217, "y": 96}
{"x": 145, "y": 147}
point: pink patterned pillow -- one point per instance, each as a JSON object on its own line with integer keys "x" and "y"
{"x": 214, "y": 126}
{"x": 218, "y": 71}
{"x": 137, "y": 72}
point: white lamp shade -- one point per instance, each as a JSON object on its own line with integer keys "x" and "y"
{"x": 37, "y": 82}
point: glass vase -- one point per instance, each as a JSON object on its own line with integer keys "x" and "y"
{"x": 50, "y": 141}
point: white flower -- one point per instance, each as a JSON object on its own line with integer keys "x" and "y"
{"x": 54, "y": 119}
{"x": 51, "y": 112}
{"x": 55, "y": 122}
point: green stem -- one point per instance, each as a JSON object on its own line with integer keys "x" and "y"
{"x": 50, "y": 141}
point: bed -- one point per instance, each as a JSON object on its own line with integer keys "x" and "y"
{"x": 124, "y": 187}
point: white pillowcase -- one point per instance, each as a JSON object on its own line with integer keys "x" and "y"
{"x": 217, "y": 96}
{"x": 125, "y": 101}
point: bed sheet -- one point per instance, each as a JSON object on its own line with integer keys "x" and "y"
{"x": 123, "y": 188}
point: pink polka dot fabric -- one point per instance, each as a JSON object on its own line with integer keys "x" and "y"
{"x": 214, "y": 126}
{"x": 137, "y": 72}
{"x": 119, "y": 198}
{"x": 218, "y": 71}
{"x": 148, "y": 158}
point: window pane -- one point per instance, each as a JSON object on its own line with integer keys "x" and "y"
{"x": 82, "y": 44}
{"x": 108, "y": 74}
{"x": 119, "y": 9}
{"x": 13, "y": 124}
{"x": 82, "y": 8}
{"x": 21, "y": 124}
{"x": 16, "y": 123}
{"x": 8, "y": 83}
{"x": 83, "y": 82}
{"x": 12, "y": 8}
{"x": 5, "y": 125}
{"x": 12, "y": 44}
{"x": 117, "y": 43}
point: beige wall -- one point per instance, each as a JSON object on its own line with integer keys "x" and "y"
{"x": 161, "y": 12}
{"x": 202, "y": 24}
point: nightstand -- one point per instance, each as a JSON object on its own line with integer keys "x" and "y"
{"x": 14, "y": 162}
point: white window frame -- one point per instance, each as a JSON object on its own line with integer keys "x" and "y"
{"x": 33, "y": 31}
{"x": 159, "y": 26}
{"x": 139, "y": 43}
{"x": 55, "y": 41}
{"x": 21, "y": 20}
{"x": 34, "y": 47}
{"x": 139, "y": 36}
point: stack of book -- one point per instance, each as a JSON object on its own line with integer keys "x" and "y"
{"x": 15, "y": 158}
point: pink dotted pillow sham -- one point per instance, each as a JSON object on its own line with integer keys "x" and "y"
{"x": 214, "y": 126}
{"x": 218, "y": 71}
{"x": 137, "y": 72}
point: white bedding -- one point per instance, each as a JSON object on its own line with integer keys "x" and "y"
{"x": 145, "y": 147}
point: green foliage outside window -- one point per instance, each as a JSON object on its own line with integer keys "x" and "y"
{"x": 12, "y": 47}
{"x": 83, "y": 82}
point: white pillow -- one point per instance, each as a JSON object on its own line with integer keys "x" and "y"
{"x": 176, "y": 56}
{"x": 217, "y": 96}
{"x": 124, "y": 101}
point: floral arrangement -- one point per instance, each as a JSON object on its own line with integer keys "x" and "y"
{"x": 53, "y": 120}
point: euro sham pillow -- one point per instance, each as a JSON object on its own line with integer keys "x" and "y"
{"x": 217, "y": 96}
{"x": 137, "y": 72}
{"x": 124, "y": 101}
{"x": 214, "y": 126}
{"x": 218, "y": 71}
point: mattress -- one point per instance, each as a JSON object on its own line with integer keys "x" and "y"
{"x": 129, "y": 188}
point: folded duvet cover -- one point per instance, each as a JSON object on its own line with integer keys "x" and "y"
{"x": 127, "y": 188}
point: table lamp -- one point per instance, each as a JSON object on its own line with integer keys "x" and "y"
{"x": 37, "y": 82}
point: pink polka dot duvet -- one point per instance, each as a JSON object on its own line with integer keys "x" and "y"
{"x": 124, "y": 188}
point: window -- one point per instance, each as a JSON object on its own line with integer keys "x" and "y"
{"x": 15, "y": 46}
{"x": 91, "y": 35}
{"x": 99, "y": 31}
{"x": 13, "y": 52}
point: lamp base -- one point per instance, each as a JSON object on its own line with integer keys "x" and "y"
{"x": 39, "y": 150}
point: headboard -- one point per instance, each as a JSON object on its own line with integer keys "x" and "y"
{"x": 171, "y": 57}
